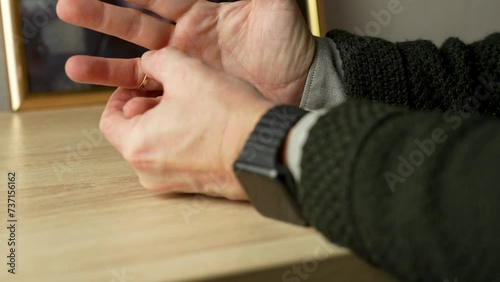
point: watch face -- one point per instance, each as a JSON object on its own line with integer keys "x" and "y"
{"x": 270, "y": 197}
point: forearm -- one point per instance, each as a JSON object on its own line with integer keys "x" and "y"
{"x": 434, "y": 220}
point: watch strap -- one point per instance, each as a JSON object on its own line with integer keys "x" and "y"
{"x": 265, "y": 143}
{"x": 268, "y": 182}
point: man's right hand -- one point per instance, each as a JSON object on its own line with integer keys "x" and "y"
{"x": 266, "y": 42}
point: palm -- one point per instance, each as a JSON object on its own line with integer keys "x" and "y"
{"x": 265, "y": 42}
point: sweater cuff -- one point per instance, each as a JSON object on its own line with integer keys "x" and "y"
{"x": 324, "y": 87}
{"x": 373, "y": 68}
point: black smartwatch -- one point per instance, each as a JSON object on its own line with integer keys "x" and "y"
{"x": 267, "y": 181}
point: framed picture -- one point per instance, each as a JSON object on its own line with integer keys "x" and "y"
{"x": 38, "y": 44}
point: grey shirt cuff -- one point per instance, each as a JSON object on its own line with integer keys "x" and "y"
{"x": 324, "y": 87}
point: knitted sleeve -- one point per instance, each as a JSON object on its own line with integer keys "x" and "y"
{"x": 416, "y": 193}
{"x": 418, "y": 75}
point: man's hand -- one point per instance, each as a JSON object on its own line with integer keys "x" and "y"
{"x": 265, "y": 42}
{"x": 188, "y": 139}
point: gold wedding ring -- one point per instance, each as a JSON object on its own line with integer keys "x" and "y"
{"x": 144, "y": 83}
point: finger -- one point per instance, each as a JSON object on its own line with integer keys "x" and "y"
{"x": 114, "y": 123}
{"x": 168, "y": 9}
{"x": 167, "y": 182}
{"x": 124, "y": 73}
{"x": 125, "y": 23}
{"x": 206, "y": 183}
{"x": 221, "y": 184}
{"x": 139, "y": 105}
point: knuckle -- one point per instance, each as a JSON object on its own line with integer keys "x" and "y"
{"x": 154, "y": 187}
{"x": 134, "y": 26}
{"x": 136, "y": 156}
{"x": 132, "y": 154}
{"x": 140, "y": 164}
{"x": 148, "y": 185}
{"x": 105, "y": 126}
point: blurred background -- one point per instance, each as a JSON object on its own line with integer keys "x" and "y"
{"x": 48, "y": 50}
{"x": 47, "y": 43}
{"x": 427, "y": 19}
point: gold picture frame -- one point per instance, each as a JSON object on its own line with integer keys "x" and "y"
{"x": 316, "y": 17}
{"x": 16, "y": 57}
{"x": 20, "y": 96}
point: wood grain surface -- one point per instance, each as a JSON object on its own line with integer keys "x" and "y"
{"x": 82, "y": 216}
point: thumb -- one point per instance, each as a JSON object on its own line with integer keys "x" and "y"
{"x": 170, "y": 66}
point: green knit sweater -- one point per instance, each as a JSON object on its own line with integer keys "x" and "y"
{"x": 411, "y": 188}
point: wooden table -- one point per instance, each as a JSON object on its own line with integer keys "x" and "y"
{"x": 82, "y": 216}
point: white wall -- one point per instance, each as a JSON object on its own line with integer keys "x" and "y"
{"x": 436, "y": 20}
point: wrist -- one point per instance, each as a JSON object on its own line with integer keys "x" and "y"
{"x": 300, "y": 84}
{"x": 241, "y": 125}
{"x": 267, "y": 181}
